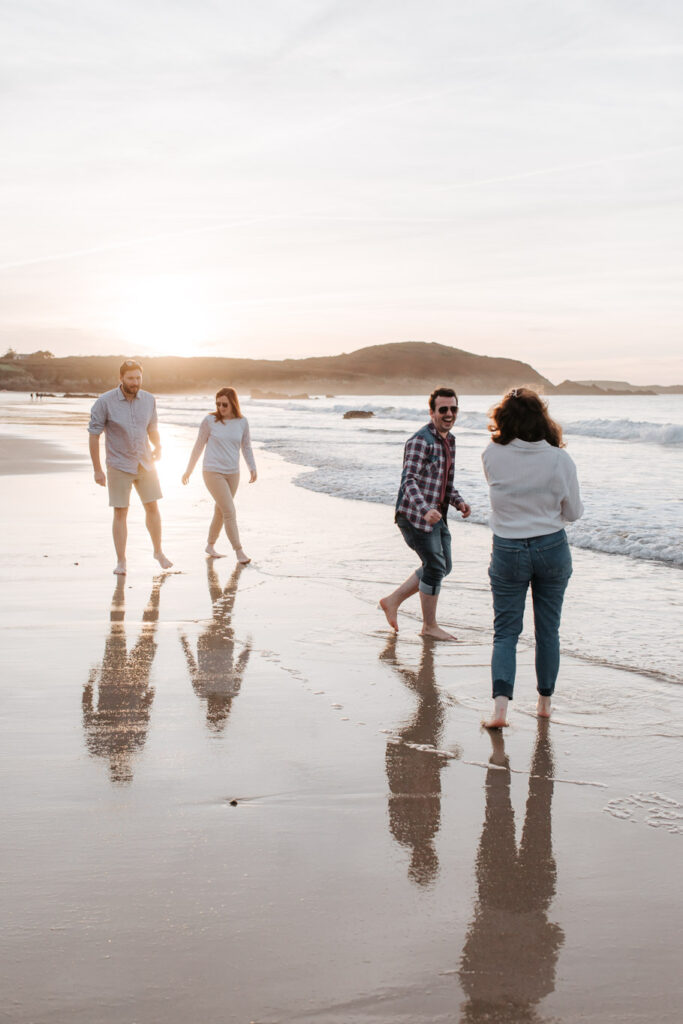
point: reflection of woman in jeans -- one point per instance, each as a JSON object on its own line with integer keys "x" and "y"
{"x": 223, "y": 433}
{"x": 510, "y": 955}
{"x": 534, "y": 491}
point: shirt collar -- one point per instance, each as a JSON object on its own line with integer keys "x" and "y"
{"x": 436, "y": 433}
{"x": 122, "y": 397}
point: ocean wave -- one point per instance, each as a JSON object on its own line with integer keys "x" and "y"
{"x": 192, "y": 411}
{"x": 627, "y": 430}
{"x": 651, "y": 544}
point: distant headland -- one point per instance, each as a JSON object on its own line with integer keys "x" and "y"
{"x": 403, "y": 368}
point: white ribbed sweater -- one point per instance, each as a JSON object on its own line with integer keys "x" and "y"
{"x": 533, "y": 486}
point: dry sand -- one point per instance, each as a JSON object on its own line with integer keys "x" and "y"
{"x": 233, "y": 796}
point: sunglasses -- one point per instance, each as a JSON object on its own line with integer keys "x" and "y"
{"x": 443, "y": 409}
{"x": 222, "y": 403}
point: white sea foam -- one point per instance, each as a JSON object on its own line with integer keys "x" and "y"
{"x": 627, "y": 430}
{"x": 653, "y": 809}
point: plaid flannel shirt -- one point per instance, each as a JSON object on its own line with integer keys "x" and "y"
{"x": 424, "y": 464}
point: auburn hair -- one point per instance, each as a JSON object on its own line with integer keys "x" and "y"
{"x": 231, "y": 396}
{"x": 522, "y": 413}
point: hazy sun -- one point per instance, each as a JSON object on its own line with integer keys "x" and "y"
{"x": 165, "y": 316}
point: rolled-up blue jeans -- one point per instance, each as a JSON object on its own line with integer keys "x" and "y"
{"x": 545, "y": 563}
{"x": 433, "y": 549}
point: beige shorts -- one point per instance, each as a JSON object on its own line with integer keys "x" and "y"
{"x": 146, "y": 483}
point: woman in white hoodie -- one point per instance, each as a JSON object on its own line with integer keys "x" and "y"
{"x": 534, "y": 491}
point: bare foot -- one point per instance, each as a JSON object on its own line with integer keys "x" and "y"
{"x": 242, "y": 558}
{"x": 499, "y": 718}
{"x": 212, "y": 553}
{"x": 437, "y": 633}
{"x": 391, "y": 612}
{"x": 163, "y": 561}
{"x": 120, "y": 569}
{"x": 543, "y": 706}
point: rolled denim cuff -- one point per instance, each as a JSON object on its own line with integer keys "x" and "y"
{"x": 501, "y": 688}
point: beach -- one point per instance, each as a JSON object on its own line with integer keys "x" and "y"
{"x": 232, "y": 795}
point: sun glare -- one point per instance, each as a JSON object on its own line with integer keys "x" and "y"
{"x": 166, "y": 317}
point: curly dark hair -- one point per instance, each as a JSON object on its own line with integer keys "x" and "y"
{"x": 441, "y": 393}
{"x": 522, "y": 413}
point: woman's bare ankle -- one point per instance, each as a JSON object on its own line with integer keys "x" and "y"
{"x": 543, "y": 706}
{"x": 498, "y": 719}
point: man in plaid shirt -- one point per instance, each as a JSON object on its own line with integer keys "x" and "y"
{"x": 425, "y": 493}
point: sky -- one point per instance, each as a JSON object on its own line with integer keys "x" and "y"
{"x": 287, "y": 178}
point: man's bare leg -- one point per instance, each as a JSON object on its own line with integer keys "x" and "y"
{"x": 499, "y": 718}
{"x": 119, "y": 531}
{"x": 543, "y": 706}
{"x": 430, "y": 626}
{"x": 153, "y": 523}
{"x": 391, "y": 604}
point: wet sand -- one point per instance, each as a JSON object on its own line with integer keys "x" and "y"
{"x": 232, "y": 795}
{"x": 19, "y": 455}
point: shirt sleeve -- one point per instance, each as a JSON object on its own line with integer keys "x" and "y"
{"x": 247, "y": 450}
{"x": 571, "y": 505}
{"x": 153, "y": 421}
{"x": 200, "y": 444}
{"x": 98, "y": 417}
{"x": 413, "y": 460}
{"x": 483, "y": 463}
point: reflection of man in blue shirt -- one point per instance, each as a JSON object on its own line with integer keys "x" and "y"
{"x": 128, "y": 418}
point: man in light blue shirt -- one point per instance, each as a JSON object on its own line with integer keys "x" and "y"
{"x": 127, "y": 416}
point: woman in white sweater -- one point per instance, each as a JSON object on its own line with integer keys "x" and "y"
{"x": 534, "y": 491}
{"x": 224, "y": 433}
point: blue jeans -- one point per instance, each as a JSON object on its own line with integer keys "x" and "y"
{"x": 546, "y": 564}
{"x": 433, "y": 549}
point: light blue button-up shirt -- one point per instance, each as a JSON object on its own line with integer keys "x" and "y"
{"x": 126, "y": 425}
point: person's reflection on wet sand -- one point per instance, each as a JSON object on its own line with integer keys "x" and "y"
{"x": 215, "y": 673}
{"x": 508, "y": 962}
{"x": 415, "y": 775}
{"x": 116, "y": 729}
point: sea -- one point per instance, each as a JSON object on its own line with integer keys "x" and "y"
{"x": 626, "y": 595}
